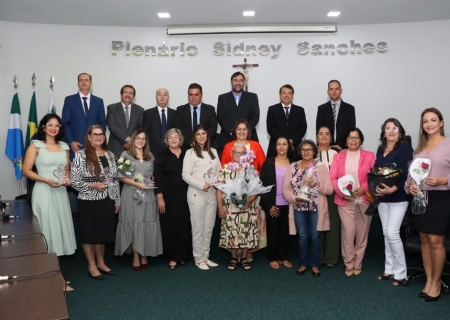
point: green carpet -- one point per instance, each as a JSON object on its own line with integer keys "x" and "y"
{"x": 262, "y": 293}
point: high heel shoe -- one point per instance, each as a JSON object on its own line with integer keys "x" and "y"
{"x": 432, "y": 299}
{"x": 137, "y": 268}
{"x": 422, "y": 294}
{"x": 144, "y": 265}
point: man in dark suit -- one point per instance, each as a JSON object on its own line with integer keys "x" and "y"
{"x": 122, "y": 119}
{"x": 235, "y": 105}
{"x": 285, "y": 119}
{"x": 195, "y": 112}
{"x": 80, "y": 111}
{"x": 156, "y": 121}
{"x": 337, "y": 115}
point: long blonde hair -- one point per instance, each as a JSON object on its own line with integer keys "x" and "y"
{"x": 423, "y": 136}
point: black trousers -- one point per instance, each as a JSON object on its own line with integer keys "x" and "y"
{"x": 278, "y": 234}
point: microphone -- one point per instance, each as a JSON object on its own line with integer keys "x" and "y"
{"x": 6, "y": 217}
{"x": 6, "y": 277}
{"x": 6, "y": 236}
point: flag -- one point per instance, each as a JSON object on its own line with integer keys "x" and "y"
{"x": 32, "y": 121}
{"x": 52, "y": 108}
{"x": 14, "y": 140}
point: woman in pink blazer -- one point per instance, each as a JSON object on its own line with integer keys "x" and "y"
{"x": 355, "y": 224}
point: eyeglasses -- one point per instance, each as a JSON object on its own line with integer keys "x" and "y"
{"x": 97, "y": 135}
{"x": 306, "y": 150}
{"x": 49, "y": 125}
{"x": 140, "y": 139}
{"x": 353, "y": 138}
{"x": 240, "y": 153}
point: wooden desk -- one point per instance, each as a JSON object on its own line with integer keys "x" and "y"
{"x": 38, "y": 297}
{"x": 23, "y": 245}
{"x": 19, "y": 208}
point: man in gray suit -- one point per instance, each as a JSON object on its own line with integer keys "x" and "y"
{"x": 122, "y": 119}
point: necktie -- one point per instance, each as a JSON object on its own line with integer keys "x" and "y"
{"x": 287, "y": 112}
{"x": 237, "y": 100}
{"x": 194, "y": 121}
{"x": 163, "y": 127}
{"x": 85, "y": 106}
{"x": 334, "y": 112}
{"x": 127, "y": 116}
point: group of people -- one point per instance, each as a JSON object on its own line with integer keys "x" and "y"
{"x": 177, "y": 214}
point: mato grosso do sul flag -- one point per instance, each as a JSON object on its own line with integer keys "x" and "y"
{"x": 14, "y": 141}
{"x": 32, "y": 121}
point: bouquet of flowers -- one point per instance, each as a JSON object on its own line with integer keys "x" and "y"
{"x": 306, "y": 191}
{"x": 419, "y": 170}
{"x": 346, "y": 184}
{"x": 126, "y": 167}
{"x": 246, "y": 182}
{"x": 387, "y": 174}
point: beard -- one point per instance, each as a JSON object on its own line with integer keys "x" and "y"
{"x": 236, "y": 89}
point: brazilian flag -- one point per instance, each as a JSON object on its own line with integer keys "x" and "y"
{"x": 32, "y": 121}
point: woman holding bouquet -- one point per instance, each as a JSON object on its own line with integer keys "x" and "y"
{"x": 239, "y": 228}
{"x": 242, "y": 135}
{"x": 306, "y": 185}
{"x": 92, "y": 174}
{"x": 331, "y": 239}
{"x": 50, "y": 202}
{"x": 394, "y": 200}
{"x": 138, "y": 228}
{"x": 172, "y": 200}
{"x": 272, "y": 173}
{"x": 200, "y": 165}
{"x": 355, "y": 224}
{"x": 435, "y": 223}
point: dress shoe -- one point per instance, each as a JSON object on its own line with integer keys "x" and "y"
{"x": 315, "y": 274}
{"x": 99, "y": 277}
{"x": 202, "y": 266}
{"x": 357, "y": 272}
{"x": 211, "y": 263}
{"x": 144, "y": 265}
{"x": 348, "y": 272}
{"x": 330, "y": 265}
{"x": 111, "y": 272}
{"x": 422, "y": 294}
{"x": 432, "y": 299}
{"x": 301, "y": 272}
{"x": 137, "y": 268}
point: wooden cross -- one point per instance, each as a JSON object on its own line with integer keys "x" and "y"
{"x": 245, "y": 66}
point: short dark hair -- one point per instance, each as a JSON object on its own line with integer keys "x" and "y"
{"x": 128, "y": 86}
{"x": 249, "y": 131}
{"x": 290, "y": 153}
{"x": 237, "y": 73}
{"x": 349, "y": 130}
{"x": 40, "y": 134}
{"x": 195, "y": 86}
{"x": 287, "y": 86}
{"x": 90, "y": 77}
{"x": 331, "y": 81}
{"x": 312, "y": 144}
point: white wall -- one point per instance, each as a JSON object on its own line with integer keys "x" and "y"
{"x": 411, "y": 76}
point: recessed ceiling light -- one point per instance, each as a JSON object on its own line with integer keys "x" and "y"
{"x": 163, "y": 15}
{"x": 333, "y": 14}
{"x": 249, "y": 13}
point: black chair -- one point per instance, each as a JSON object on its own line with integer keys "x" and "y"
{"x": 412, "y": 245}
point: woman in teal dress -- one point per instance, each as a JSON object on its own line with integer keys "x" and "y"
{"x": 49, "y": 201}
{"x": 139, "y": 229}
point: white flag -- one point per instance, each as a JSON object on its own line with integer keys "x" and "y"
{"x": 52, "y": 108}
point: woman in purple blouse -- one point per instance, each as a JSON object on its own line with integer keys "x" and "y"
{"x": 277, "y": 222}
{"x": 435, "y": 223}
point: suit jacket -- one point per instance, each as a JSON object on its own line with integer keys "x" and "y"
{"x": 345, "y": 119}
{"x": 293, "y": 128}
{"x": 183, "y": 121}
{"x": 76, "y": 123}
{"x": 151, "y": 123}
{"x": 366, "y": 162}
{"x": 115, "y": 120}
{"x": 228, "y": 113}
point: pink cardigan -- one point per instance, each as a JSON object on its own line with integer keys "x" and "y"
{"x": 366, "y": 163}
{"x": 325, "y": 188}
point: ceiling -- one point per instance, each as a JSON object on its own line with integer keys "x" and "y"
{"x": 143, "y": 13}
